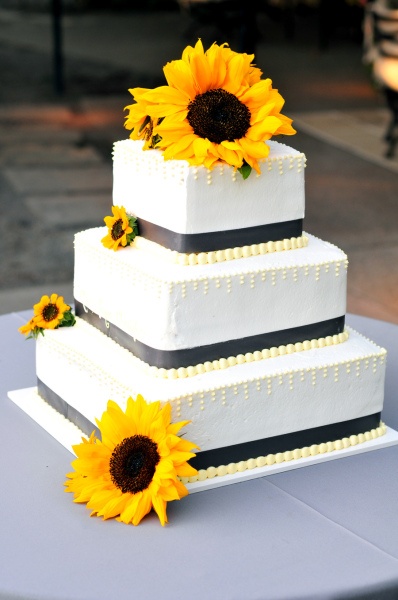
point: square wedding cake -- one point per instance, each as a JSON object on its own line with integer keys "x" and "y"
{"x": 221, "y": 306}
{"x": 247, "y": 342}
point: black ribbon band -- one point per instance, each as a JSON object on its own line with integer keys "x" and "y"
{"x": 66, "y": 410}
{"x": 237, "y": 452}
{"x": 282, "y": 443}
{"x": 219, "y": 240}
{"x": 173, "y": 359}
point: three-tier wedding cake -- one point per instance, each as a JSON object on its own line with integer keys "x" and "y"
{"x": 221, "y": 305}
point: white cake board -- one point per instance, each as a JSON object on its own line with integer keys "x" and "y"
{"x": 67, "y": 434}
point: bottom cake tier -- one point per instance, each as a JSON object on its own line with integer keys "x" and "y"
{"x": 241, "y": 413}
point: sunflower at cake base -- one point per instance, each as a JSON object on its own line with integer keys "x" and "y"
{"x": 215, "y": 108}
{"x": 135, "y": 466}
{"x": 50, "y": 313}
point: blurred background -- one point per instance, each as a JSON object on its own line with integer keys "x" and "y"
{"x": 65, "y": 70}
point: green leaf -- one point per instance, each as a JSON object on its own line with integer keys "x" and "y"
{"x": 245, "y": 170}
{"x": 134, "y": 225}
{"x": 68, "y": 320}
{"x": 156, "y": 139}
{"x": 34, "y": 334}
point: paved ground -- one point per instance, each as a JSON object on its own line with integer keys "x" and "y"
{"x": 55, "y": 154}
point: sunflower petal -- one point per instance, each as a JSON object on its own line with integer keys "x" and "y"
{"x": 143, "y": 508}
{"x": 113, "y": 507}
{"x": 160, "y": 508}
{"x": 237, "y": 69}
{"x": 127, "y": 515}
{"x": 179, "y": 76}
{"x": 181, "y": 489}
{"x": 166, "y": 95}
{"x": 185, "y": 470}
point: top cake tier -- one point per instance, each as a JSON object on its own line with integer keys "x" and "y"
{"x": 185, "y": 208}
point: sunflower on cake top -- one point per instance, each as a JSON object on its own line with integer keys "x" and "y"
{"x": 215, "y": 108}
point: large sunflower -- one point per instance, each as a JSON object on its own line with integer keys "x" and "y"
{"x": 214, "y": 108}
{"x": 136, "y": 466}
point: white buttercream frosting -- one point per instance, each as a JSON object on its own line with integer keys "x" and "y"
{"x": 194, "y": 200}
{"x": 169, "y": 306}
{"x": 246, "y": 402}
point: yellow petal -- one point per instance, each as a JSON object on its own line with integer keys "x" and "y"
{"x": 201, "y": 147}
{"x": 114, "y": 507}
{"x": 200, "y": 72}
{"x": 179, "y": 75}
{"x": 258, "y": 131}
{"x": 185, "y": 470}
{"x": 237, "y": 69}
{"x": 160, "y": 508}
{"x": 181, "y": 489}
{"x": 167, "y": 95}
{"x": 254, "y": 149}
{"x": 143, "y": 508}
{"x": 217, "y": 65}
{"x": 169, "y": 493}
{"x": 128, "y": 513}
{"x": 181, "y": 146}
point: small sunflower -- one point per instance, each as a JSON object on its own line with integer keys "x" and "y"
{"x": 50, "y": 313}
{"x": 136, "y": 466}
{"x": 122, "y": 229}
{"x": 215, "y": 108}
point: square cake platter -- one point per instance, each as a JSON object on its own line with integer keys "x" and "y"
{"x": 68, "y": 434}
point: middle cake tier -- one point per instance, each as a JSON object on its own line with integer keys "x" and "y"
{"x": 173, "y": 316}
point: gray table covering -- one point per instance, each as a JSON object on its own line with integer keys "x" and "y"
{"x": 325, "y": 531}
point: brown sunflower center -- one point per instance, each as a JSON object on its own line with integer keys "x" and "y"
{"x": 218, "y": 116}
{"x": 50, "y": 312}
{"x": 133, "y": 462}
{"x": 117, "y": 230}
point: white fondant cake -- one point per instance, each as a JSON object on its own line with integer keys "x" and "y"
{"x": 254, "y": 334}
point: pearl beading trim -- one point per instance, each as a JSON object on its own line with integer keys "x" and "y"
{"x": 280, "y": 457}
{"x": 204, "y": 258}
{"x": 158, "y": 285}
{"x": 254, "y": 384}
{"x": 176, "y": 170}
{"x": 231, "y": 361}
{"x": 240, "y": 359}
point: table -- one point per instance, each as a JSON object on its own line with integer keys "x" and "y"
{"x": 326, "y": 531}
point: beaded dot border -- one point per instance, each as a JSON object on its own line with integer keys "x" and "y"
{"x": 289, "y": 455}
{"x": 126, "y": 153}
{"x": 240, "y": 359}
{"x": 96, "y": 252}
{"x": 218, "y": 256}
{"x": 222, "y": 363}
